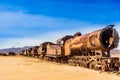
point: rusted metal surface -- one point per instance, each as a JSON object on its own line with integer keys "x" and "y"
{"x": 64, "y": 38}
{"x": 33, "y": 51}
{"x": 28, "y": 52}
{"x": 42, "y": 50}
{"x": 54, "y": 49}
{"x": 103, "y": 39}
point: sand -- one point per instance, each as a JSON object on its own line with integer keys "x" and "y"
{"x": 24, "y": 68}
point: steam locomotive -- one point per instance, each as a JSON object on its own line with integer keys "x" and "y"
{"x": 90, "y": 50}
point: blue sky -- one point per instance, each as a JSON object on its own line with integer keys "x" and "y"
{"x": 30, "y": 22}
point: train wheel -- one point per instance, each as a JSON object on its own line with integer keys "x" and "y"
{"x": 41, "y": 57}
{"x": 78, "y": 64}
{"x": 81, "y": 64}
{"x": 85, "y": 65}
{"x": 54, "y": 60}
{"x": 74, "y": 64}
{"x": 70, "y": 62}
{"x": 58, "y": 60}
{"x": 63, "y": 60}
{"x": 103, "y": 68}
{"x": 92, "y": 65}
{"x": 46, "y": 58}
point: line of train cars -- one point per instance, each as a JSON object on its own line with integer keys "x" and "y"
{"x": 90, "y": 50}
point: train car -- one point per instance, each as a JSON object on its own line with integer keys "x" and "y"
{"x": 29, "y": 51}
{"x": 33, "y": 51}
{"x": 12, "y": 53}
{"x": 21, "y": 52}
{"x": 55, "y": 52}
{"x": 42, "y": 50}
{"x": 25, "y": 52}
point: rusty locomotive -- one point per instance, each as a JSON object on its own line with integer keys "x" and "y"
{"x": 90, "y": 50}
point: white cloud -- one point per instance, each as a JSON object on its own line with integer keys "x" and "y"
{"x": 24, "y": 24}
{"x": 19, "y": 24}
{"x": 23, "y": 20}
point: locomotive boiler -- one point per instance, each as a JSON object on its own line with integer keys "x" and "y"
{"x": 102, "y": 40}
{"x": 93, "y": 50}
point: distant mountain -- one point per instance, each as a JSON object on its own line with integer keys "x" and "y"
{"x": 16, "y": 50}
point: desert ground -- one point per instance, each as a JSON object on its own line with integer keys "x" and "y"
{"x": 24, "y": 68}
{"x": 116, "y": 55}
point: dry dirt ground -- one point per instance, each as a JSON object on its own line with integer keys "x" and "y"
{"x": 116, "y": 55}
{"x": 24, "y": 68}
